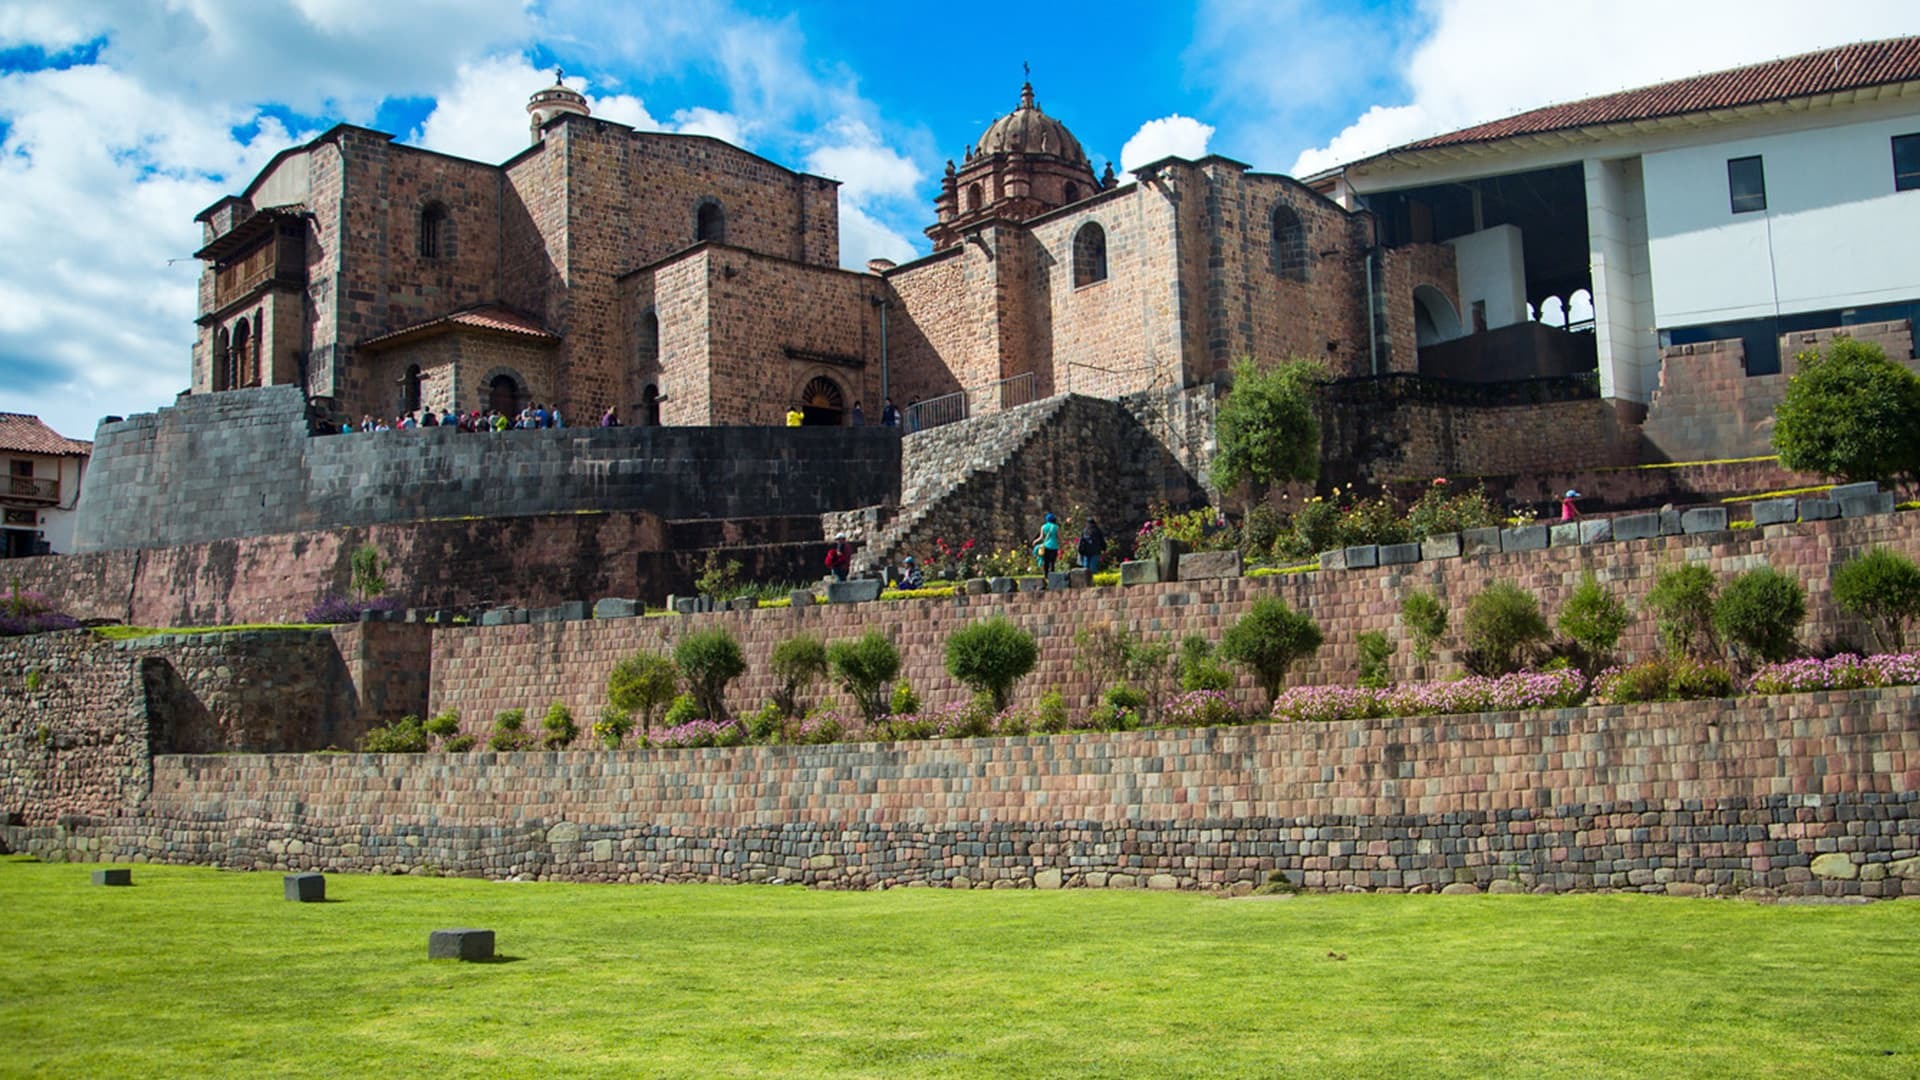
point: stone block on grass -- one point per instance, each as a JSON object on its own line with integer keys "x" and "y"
{"x": 1399, "y": 554}
{"x": 1563, "y": 534}
{"x": 1079, "y": 578}
{"x": 1596, "y": 531}
{"x": 1364, "y": 557}
{"x": 615, "y": 608}
{"x": 1703, "y": 519}
{"x": 305, "y": 888}
{"x": 1031, "y": 583}
{"x": 1139, "y": 572}
{"x": 853, "y": 592}
{"x": 1334, "y": 560}
{"x": 978, "y": 586}
{"x": 115, "y": 876}
{"x": 1775, "y": 512}
{"x": 1865, "y": 505}
{"x": 743, "y": 603}
{"x": 463, "y": 944}
{"x": 1001, "y": 585}
{"x": 800, "y": 598}
{"x": 1479, "y": 542}
{"x": 1524, "y": 538}
{"x": 1059, "y": 579}
{"x": 1210, "y": 565}
{"x": 1819, "y": 509}
{"x": 1443, "y": 546}
{"x": 1846, "y": 491}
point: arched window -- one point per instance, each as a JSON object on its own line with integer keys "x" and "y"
{"x": 1072, "y": 192}
{"x": 823, "y": 402}
{"x": 1289, "y": 244}
{"x": 1434, "y": 319}
{"x": 710, "y": 223}
{"x": 648, "y": 349}
{"x": 410, "y": 389}
{"x": 503, "y": 394}
{"x": 973, "y": 196}
{"x": 435, "y": 231}
{"x": 257, "y": 356}
{"x": 221, "y": 352}
{"x": 1089, "y": 255}
{"x": 237, "y": 354}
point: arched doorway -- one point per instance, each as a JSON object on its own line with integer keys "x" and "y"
{"x": 650, "y": 406}
{"x": 503, "y": 395}
{"x": 1434, "y": 319}
{"x": 823, "y": 403}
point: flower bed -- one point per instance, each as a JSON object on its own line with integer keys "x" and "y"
{"x": 1843, "y": 672}
{"x": 1474, "y": 694}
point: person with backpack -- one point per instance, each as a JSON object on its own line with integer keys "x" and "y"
{"x": 1092, "y": 543}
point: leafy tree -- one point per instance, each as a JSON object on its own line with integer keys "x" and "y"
{"x": 1114, "y": 654}
{"x": 1426, "y": 619}
{"x": 1851, "y": 413}
{"x": 1682, "y": 603}
{"x": 1376, "y": 652}
{"x": 559, "y": 728}
{"x": 1266, "y": 427}
{"x": 642, "y": 683}
{"x": 1198, "y": 671}
{"x": 1883, "y": 588}
{"x": 798, "y": 662}
{"x": 1761, "y": 611}
{"x": 710, "y": 659}
{"x": 1502, "y": 626}
{"x": 1268, "y": 639}
{"x": 403, "y": 736}
{"x": 990, "y": 656}
{"x": 369, "y": 572}
{"x": 866, "y": 667}
{"x": 508, "y": 731}
{"x": 1593, "y": 618}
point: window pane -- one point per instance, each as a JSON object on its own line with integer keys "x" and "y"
{"x": 1747, "y": 184}
{"x": 1906, "y": 162}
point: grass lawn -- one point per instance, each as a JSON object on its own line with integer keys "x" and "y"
{"x": 195, "y": 972}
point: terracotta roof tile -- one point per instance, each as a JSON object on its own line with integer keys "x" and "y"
{"x": 1848, "y": 67}
{"x": 24, "y": 434}
{"x": 496, "y": 319}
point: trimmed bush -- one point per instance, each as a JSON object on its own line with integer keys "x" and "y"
{"x": 866, "y": 667}
{"x": 990, "y": 657}
{"x": 1851, "y": 413}
{"x": 612, "y": 727}
{"x": 683, "y": 709}
{"x": 798, "y": 662}
{"x": 1426, "y": 621}
{"x": 1376, "y": 653}
{"x": 444, "y": 726}
{"x": 1198, "y": 671}
{"x": 460, "y": 744}
{"x": 558, "y": 729}
{"x": 1268, "y": 639}
{"x": 1121, "y": 708}
{"x": 1502, "y": 629}
{"x": 904, "y": 700}
{"x": 1882, "y": 588}
{"x": 1593, "y": 618}
{"x": 1050, "y": 715}
{"x": 709, "y": 660}
{"x": 508, "y": 734}
{"x": 403, "y": 736}
{"x": 1682, "y": 604}
{"x": 1679, "y": 678}
{"x": 1761, "y": 611}
{"x": 642, "y": 683}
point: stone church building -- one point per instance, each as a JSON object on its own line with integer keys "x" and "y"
{"x": 684, "y": 281}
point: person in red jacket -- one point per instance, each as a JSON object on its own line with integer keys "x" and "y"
{"x": 840, "y": 557}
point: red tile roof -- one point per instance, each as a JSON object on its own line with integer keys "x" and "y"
{"x": 24, "y": 434}
{"x": 495, "y": 319}
{"x": 1848, "y": 67}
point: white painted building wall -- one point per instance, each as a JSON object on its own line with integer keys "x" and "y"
{"x": 1618, "y": 258}
{"x": 1491, "y": 270}
{"x": 1834, "y": 234}
{"x": 55, "y": 521}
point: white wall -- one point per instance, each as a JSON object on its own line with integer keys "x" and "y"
{"x": 55, "y": 522}
{"x": 1491, "y": 269}
{"x": 1617, "y": 254}
{"x": 1835, "y": 234}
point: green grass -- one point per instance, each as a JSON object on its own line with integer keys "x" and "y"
{"x": 197, "y": 972}
{"x": 129, "y": 633}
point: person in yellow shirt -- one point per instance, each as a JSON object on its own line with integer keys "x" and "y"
{"x": 795, "y": 417}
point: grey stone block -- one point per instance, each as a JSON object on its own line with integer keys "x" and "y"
{"x": 1669, "y": 523}
{"x": 1845, "y": 491}
{"x": 1363, "y": 557}
{"x": 460, "y": 945}
{"x": 1865, "y": 505}
{"x": 1031, "y": 583}
{"x": 684, "y": 605}
{"x": 1334, "y": 560}
{"x": 1703, "y": 519}
{"x": 1818, "y": 509}
{"x": 444, "y": 616}
{"x": 853, "y": 592}
{"x": 979, "y": 586}
{"x": 543, "y": 615}
{"x": 1596, "y": 530}
{"x": 1563, "y": 534}
{"x": 1480, "y": 542}
{"x": 1210, "y": 565}
{"x": 116, "y": 876}
{"x": 1058, "y": 580}
{"x": 570, "y": 611}
{"x": 1399, "y": 554}
{"x": 743, "y": 603}
{"x": 496, "y": 617}
{"x": 1443, "y": 546}
{"x": 1001, "y": 585}
{"x": 1775, "y": 512}
{"x": 614, "y": 608}
{"x": 800, "y": 598}
{"x": 1139, "y": 572}
{"x": 1524, "y": 538}
{"x": 1079, "y": 578}
{"x": 1170, "y": 554}
{"x": 305, "y": 888}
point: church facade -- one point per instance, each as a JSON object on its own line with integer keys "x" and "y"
{"x": 680, "y": 280}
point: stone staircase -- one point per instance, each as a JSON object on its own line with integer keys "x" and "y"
{"x": 937, "y": 464}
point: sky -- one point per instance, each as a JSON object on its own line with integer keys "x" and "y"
{"x": 122, "y": 119}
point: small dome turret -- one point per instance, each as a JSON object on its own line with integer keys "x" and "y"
{"x": 1028, "y": 130}
{"x": 554, "y": 101}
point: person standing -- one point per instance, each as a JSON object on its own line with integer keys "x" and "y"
{"x": 1092, "y": 543}
{"x": 859, "y": 416}
{"x": 1046, "y": 546}
{"x": 795, "y": 417}
{"x": 1568, "y": 511}
{"x": 889, "y": 416}
{"x": 840, "y": 557}
{"x": 913, "y": 418}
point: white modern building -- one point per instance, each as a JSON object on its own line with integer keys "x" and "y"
{"x": 42, "y": 486}
{"x": 1746, "y": 204}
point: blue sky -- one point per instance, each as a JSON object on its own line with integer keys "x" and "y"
{"x": 119, "y": 119}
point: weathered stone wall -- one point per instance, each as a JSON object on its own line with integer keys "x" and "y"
{"x": 262, "y": 691}
{"x": 1807, "y": 794}
{"x": 73, "y": 729}
{"x": 240, "y": 464}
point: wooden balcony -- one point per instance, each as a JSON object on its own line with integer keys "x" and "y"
{"x": 31, "y": 489}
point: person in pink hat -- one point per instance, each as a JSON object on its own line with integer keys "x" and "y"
{"x": 1569, "y": 512}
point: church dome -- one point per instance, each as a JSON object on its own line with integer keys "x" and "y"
{"x": 1027, "y": 130}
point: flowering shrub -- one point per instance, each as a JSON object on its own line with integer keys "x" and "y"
{"x": 817, "y": 727}
{"x": 1679, "y": 678}
{"x": 955, "y": 561}
{"x": 1199, "y": 708}
{"x": 27, "y": 612}
{"x": 342, "y": 609}
{"x": 695, "y": 733}
{"x": 1204, "y": 529}
{"x": 1521, "y": 690}
{"x": 1843, "y": 672}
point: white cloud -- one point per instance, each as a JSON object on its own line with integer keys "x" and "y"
{"x": 1485, "y": 59}
{"x": 863, "y": 238}
{"x": 1169, "y": 136}
{"x": 876, "y": 182}
{"x": 701, "y": 120}
{"x": 484, "y": 115}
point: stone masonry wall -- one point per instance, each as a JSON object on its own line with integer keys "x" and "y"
{"x": 1398, "y": 438}
{"x": 1808, "y": 794}
{"x": 73, "y": 729}
{"x": 240, "y": 464}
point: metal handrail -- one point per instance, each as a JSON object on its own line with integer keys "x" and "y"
{"x": 934, "y": 412}
{"x": 1001, "y": 394}
{"x": 28, "y": 487}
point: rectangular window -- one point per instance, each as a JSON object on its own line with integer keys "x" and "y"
{"x": 1906, "y": 162}
{"x": 1747, "y": 184}
{"x": 22, "y": 468}
{"x": 27, "y": 518}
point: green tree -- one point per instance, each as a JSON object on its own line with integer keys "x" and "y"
{"x": 1761, "y": 610}
{"x": 369, "y": 572}
{"x": 709, "y": 660}
{"x": 990, "y": 656}
{"x": 798, "y": 662}
{"x": 1426, "y": 620}
{"x": 866, "y": 667}
{"x": 1376, "y": 656}
{"x": 1883, "y": 588}
{"x": 1682, "y": 604}
{"x": 1268, "y": 639}
{"x": 1266, "y": 427}
{"x": 1593, "y": 618}
{"x": 1502, "y": 626}
{"x": 1850, "y": 413}
{"x": 559, "y": 728}
{"x": 642, "y": 683}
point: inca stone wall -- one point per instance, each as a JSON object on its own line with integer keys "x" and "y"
{"x": 1808, "y": 794}
{"x": 240, "y": 464}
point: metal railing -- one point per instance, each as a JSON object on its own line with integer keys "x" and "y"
{"x": 1004, "y": 394}
{"x": 27, "y": 487}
